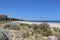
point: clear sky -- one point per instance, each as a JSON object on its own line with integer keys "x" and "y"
{"x": 31, "y": 9}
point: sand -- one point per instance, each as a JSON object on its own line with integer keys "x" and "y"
{"x": 52, "y": 24}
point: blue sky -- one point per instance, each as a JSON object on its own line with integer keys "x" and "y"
{"x": 31, "y": 9}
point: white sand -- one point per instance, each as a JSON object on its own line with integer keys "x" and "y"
{"x": 50, "y": 23}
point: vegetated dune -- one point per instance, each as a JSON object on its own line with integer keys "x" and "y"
{"x": 52, "y": 24}
{"x": 22, "y": 30}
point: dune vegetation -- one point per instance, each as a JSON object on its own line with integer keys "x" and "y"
{"x": 22, "y": 31}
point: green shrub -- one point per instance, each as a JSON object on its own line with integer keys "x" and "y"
{"x": 45, "y": 29}
{"x": 38, "y": 31}
{"x": 34, "y": 26}
{"x": 56, "y": 29}
{"x": 44, "y": 26}
{"x": 47, "y": 33}
{"x": 29, "y": 26}
{"x": 11, "y": 25}
{"x": 25, "y": 35}
{"x": 22, "y": 24}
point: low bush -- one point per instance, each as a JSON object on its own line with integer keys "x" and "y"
{"x": 44, "y": 26}
{"x": 47, "y": 33}
{"x": 34, "y": 26}
{"x": 12, "y": 25}
{"x": 3, "y": 35}
{"x": 24, "y": 35}
{"x": 38, "y": 31}
{"x": 22, "y": 24}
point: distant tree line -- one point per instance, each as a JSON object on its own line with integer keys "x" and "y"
{"x": 5, "y": 18}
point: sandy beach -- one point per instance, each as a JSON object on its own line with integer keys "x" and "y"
{"x": 52, "y": 24}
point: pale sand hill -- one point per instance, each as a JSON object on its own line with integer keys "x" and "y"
{"x": 52, "y": 24}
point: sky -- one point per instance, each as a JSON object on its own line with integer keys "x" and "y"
{"x": 31, "y": 9}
